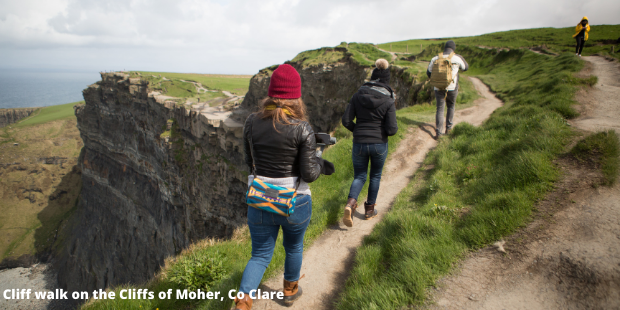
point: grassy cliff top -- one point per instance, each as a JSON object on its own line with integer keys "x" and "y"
{"x": 236, "y": 84}
{"x": 364, "y": 53}
{"x": 556, "y": 40}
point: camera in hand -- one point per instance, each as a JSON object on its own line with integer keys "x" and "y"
{"x": 323, "y": 140}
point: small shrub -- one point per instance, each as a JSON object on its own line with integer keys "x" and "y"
{"x": 198, "y": 271}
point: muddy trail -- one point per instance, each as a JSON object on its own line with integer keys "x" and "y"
{"x": 327, "y": 262}
{"x": 568, "y": 257}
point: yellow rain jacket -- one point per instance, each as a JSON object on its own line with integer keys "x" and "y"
{"x": 579, "y": 27}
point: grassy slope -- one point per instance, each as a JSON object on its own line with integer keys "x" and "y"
{"x": 603, "y": 150}
{"x": 481, "y": 183}
{"x": 364, "y": 53}
{"x": 555, "y": 39}
{"x": 328, "y": 193}
{"x": 28, "y": 214}
{"x": 236, "y": 84}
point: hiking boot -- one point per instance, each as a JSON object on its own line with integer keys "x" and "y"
{"x": 438, "y": 136}
{"x": 448, "y": 131}
{"x": 349, "y": 210}
{"x": 292, "y": 291}
{"x": 370, "y": 210}
{"x": 243, "y": 304}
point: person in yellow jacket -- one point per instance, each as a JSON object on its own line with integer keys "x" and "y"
{"x": 581, "y": 34}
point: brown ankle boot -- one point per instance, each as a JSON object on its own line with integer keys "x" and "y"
{"x": 243, "y": 304}
{"x": 349, "y": 210}
{"x": 370, "y": 210}
{"x": 292, "y": 291}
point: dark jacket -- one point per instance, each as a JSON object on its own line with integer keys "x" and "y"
{"x": 291, "y": 152}
{"x": 373, "y": 107}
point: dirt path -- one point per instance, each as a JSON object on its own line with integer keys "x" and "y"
{"x": 327, "y": 263}
{"x": 569, "y": 256}
{"x": 601, "y": 110}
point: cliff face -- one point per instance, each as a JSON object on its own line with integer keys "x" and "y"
{"x": 147, "y": 195}
{"x": 10, "y": 116}
{"x": 158, "y": 176}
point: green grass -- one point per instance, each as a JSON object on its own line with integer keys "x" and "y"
{"x": 367, "y": 54}
{"x": 29, "y": 217}
{"x": 236, "y": 84}
{"x": 318, "y": 56}
{"x": 478, "y": 186}
{"x": 602, "y": 149}
{"x": 557, "y": 40}
{"x": 48, "y": 114}
{"x": 363, "y": 53}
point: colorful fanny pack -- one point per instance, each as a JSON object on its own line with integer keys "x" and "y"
{"x": 269, "y": 197}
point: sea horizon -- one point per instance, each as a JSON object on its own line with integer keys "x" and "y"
{"x": 34, "y": 88}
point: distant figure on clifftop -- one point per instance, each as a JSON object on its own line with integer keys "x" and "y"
{"x": 372, "y": 106}
{"x": 581, "y": 34}
{"x": 444, "y": 74}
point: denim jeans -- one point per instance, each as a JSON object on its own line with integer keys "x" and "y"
{"x": 264, "y": 229}
{"x": 443, "y": 101}
{"x": 362, "y": 153}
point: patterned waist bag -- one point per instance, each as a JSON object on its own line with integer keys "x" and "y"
{"x": 268, "y": 197}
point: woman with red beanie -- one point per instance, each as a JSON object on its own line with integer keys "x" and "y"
{"x": 280, "y": 148}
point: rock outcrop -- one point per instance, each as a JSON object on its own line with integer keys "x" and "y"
{"x": 10, "y": 116}
{"x": 158, "y": 175}
{"x": 148, "y": 191}
{"x": 327, "y": 87}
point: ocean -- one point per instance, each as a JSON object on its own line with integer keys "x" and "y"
{"x": 28, "y": 88}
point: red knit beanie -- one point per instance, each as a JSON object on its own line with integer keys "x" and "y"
{"x": 285, "y": 83}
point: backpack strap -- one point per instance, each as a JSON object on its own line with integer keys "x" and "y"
{"x": 252, "y": 149}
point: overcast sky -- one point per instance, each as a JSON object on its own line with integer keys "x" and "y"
{"x": 241, "y": 37}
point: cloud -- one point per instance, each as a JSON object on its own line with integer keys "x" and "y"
{"x": 244, "y": 36}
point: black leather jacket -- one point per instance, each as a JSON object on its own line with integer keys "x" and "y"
{"x": 291, "y": 152}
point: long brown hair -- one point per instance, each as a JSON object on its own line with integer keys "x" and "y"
{"x": 277, "y": 108}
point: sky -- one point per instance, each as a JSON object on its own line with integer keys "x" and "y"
{"x": 242, "y": 37}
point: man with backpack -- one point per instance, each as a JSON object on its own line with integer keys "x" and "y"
{"x": 443, "y": 72}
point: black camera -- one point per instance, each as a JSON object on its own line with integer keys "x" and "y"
{"x": 323, "y": 140}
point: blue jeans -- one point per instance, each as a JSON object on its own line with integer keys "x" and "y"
{"x": 376, "y": 153}
{"x": 264, "y": 229}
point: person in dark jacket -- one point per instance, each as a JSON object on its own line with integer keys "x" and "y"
{"x": 447, "y": 97}
{"x": 284, "y": 150}
{"x": 372, "y": 106}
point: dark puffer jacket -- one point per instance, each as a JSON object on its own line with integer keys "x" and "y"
{"x": 373, "y": 107}
{"x": 291, "y": 152}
